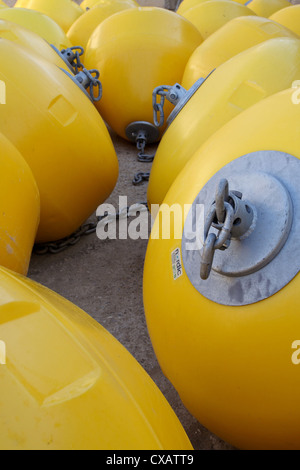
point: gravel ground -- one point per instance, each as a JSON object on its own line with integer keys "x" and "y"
{"x": 104, "y": 278}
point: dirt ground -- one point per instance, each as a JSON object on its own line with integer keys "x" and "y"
{"x": 104, "y": 278}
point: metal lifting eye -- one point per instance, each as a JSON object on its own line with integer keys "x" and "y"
{"x": 231, "y": 216}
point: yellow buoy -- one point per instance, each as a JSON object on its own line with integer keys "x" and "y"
{"x": 63, "y": 12}
{"x": 86, "y": 4}
{"x": 266, "y": 8}
{"x": 82, "y": 29}
{"x": 234, "y": 37}
{"x": 209, "y": 16}
{"x": 232, "y": 347}
{"x": 129, "y": 74}
{"x": 39, "y": 23}
{"x": 188, "y": 4}
{"x": 19, "y": 207}
{"x": 289, "y": 17}
{"x": 57, "y": 129}
{"x": 26, "y": 38}
{"x": 67, "y": 384}
{"x": 239, "y": 83}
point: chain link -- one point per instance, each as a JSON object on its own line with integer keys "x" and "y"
{"x": 174, "y": 94}
{"x": 72, "y": 55}
{"x": 87, "y": 229}
{"x": 94, "y": 84}
{"x": 158, "y": 106}
{"x": 141, "y": 177}
{"x": 212, "y": 242}
{"x": 142, "y": 156}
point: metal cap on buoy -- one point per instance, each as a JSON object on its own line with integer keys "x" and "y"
{"x": 246, "y": 234}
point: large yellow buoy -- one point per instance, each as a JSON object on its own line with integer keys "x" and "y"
{"x": 129, "y": 73}
{"x": 26, "y": 38}
{"x": 229, "y": 343}
{"x": 236, "y": 85}
{"x": 188, "y": 4}
{"x": 234, "y": 37}
{"x": 67, "y": 384}
{"x": 82, "y": 29}
{"x": 63, "y": 12}
{"x": 55, "y": 126}
{"x": 38, "y": 23}
{"x": 87, "y": 4}
{"x": 209, "y": 16}
{"x": 19, "y": 206}
{"x": 266, "y": 8}
{"x": 289, "y": 17}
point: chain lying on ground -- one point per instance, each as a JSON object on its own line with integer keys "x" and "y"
{"x": 87, "y": 229}
{"x": 142, "y": 157}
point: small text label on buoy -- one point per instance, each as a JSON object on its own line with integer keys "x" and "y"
{"x": 176, "y": 264}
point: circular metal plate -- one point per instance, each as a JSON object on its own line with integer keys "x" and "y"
{"x": 254, "y": 268}
{"x": 151, "y": 132}
{"x": 189, "y": 94}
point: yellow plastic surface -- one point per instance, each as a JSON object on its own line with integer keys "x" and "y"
{"x": 26, "y": 38}
{"x": 234, "y": 37}
{"x": 188, "y": 4}
{"x": 82, "y": 29}
{"x": 91, "y": 3}
{"x": 19, "y": 209}
{"x": 63, "y": 12}
{"x": 69, "y": 385}
{"x": 61, "y": 135}
{"x": 39, "y": 23}
{"x": 209, "y": 16}
{"x": 232, "y": 366}
{"x": 266, "y": 8}
{"x": 129, "y": 73}
{"x": 236, "y": 85}
{"x": 289, "y": 17}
